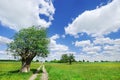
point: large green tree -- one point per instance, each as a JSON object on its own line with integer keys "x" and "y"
{"x": 28, "y": 43}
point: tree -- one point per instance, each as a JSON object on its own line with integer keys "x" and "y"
{"x": 67, "y": 58}
{"x": 83, "y": 60}
{"x": 29, "y": 43}
{"x": 71, "y": 58}
{"x": 64, "y": 58}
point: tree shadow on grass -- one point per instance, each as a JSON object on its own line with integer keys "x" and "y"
{"x": 15, "y": 71}
{"x": 10, "y": 72}
{"x": 33, "y": 70}
{"x": 18, "y": 71}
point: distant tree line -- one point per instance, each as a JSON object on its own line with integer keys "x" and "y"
{"x": 65, "y": 61}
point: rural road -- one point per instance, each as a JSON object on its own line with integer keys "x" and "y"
{"x": 36, "y": 73}
{"x": 44, "y": 74}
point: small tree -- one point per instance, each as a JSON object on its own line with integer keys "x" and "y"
{"x": 29, "y": 43}
{"x": 67, "y": 58}
{"x": 83, "y": 60}
{"x": 64, "y": 58}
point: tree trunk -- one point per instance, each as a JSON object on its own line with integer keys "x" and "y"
{"x": 25, "y": 68}
{"x": 25, "y": 65}
{"x": 70, "y": 62}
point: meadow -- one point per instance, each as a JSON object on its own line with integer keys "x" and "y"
{"x": 84, "y": 71}
{"x": 10, "y": 70}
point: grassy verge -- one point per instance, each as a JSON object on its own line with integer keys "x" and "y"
{"x": 84, "y": 71}
{"x": 10, "y": 71}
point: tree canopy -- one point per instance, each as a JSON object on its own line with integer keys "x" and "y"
{"x": 67, "y": 58}
{"x": 28, "y": 43}
{"x": 64, "y": 58}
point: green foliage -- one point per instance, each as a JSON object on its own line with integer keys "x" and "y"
{"x": 83, "y": 60}
{"x": 30, "y": 42}
{"x": 67, "y": 58}
{"x": 84, "y": 71}
{"x": 37, "y": 60}
{"x": 71, "y": 58}
{"x": 64, "y": 58}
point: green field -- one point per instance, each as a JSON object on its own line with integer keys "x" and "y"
{"x": 10, "y": 71}
{"x": 60, "y": 71}
{"x": 84, "y": 71}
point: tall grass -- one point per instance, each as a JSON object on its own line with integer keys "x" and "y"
{"x": 10, "y": 71}
{"x": 84, "y": 71}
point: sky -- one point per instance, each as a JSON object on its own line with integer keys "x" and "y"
{"x": 89, "y": 29}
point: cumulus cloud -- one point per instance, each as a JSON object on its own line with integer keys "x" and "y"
{"x": 111, "y": 50}
{"x": 97, "y": 57}
{"x": 3, "y": 52}
{"x": 93, "y": 49}
{"x": 97, "y": 22}
{"x": 107, "y": 40}
{"x": 4, "y": 55}
{"x": 54, "y": 37}
{"x": 54, "y": 46}
{"x": 56, "y": 50}
{"x": 82, "y": 43}
{"x": 4, "y": 40}
{"x": 102, "y": 40}
{"x": 18, "y": 14}
{"x": 87, "y": 47}
{"x": 100, "y": 48}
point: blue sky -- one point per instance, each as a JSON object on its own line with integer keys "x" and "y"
{"x": 90, "y": 29}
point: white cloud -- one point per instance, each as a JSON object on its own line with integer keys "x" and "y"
{"x": 97, "y": 22}
{"x": 57, "y": 47}
{"x": 102, "y": 40}
{"x": 4, "y": 55}
{"x": 54, "y": 37}
{"x": 4, "y": 40}
{"x": 63, "y": 36}
{"x": 18, "y": 14}
{"x": 3, "y": 52}
{"x": 99, "y": 49}
{"x": 93, "y": 49}
{"x": 116, "y": 41}
{"x": 111, "y": 50}
{"x": 107, "y": 48}
{"x": 83, "y": 43}
{"x": 87, "y": 47}
{"x": 97, "y": 57}
{"x": 56, "y": 50}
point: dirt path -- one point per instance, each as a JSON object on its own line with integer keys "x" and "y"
{"x": 44, "y": 74}
{"x": 35, "y": 74}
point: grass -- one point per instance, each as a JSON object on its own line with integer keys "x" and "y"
{"x": 10, "y": 71}
{"x": 84, "y": 71}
